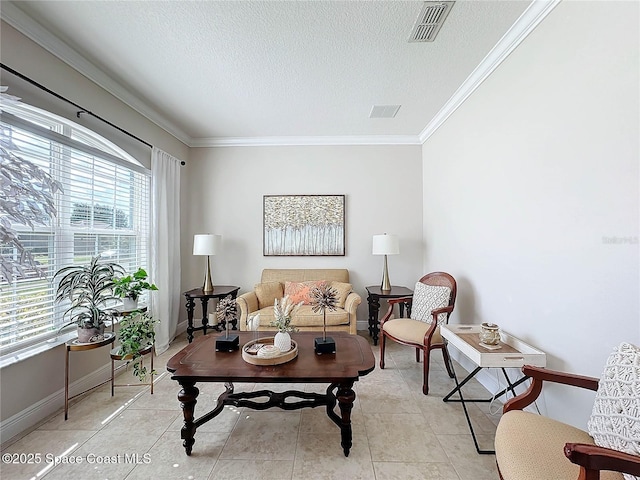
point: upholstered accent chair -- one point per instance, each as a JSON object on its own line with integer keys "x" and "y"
{"x": 534, "y": 447}
{"x": 430, "y": 306}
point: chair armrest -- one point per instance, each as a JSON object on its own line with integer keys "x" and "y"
{"x": 593, "y": 458}
{"x": 590, "y": 383}
{"x": 247, "y": 303}
{"x": 538, "y": 377}
{"x": 392, "y": 302}
{"x": 438, "y": 311}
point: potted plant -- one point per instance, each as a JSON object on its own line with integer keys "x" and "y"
{"x": 283, "y": 313}
{"x": 130, "y": 287}
{"x": 89, "y": 288}
{"x": 136, "y": 333}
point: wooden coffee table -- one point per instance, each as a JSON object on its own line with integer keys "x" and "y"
{"x": 199, "y": 362}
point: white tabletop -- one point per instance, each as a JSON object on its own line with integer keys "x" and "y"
{"x": 514, "y": 353}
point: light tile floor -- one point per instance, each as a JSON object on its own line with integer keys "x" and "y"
{"x": 398, "y": 433}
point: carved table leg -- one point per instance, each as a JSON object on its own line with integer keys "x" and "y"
{"x": 346, "y": 396}
{"x": 190, "y": 306}
{"x": 205, "y": 317}
{"x": 187, "y": 397}
{"x": 374, "y": 309}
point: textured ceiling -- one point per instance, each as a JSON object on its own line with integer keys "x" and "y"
{"x": 220, "y": 69}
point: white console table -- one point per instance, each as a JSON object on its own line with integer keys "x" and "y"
{"x": 513, "y": 353}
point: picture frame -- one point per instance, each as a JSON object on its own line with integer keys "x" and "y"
{"x": 303, "y": 225}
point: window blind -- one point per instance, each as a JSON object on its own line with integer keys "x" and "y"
{"x": 103, "y": 210}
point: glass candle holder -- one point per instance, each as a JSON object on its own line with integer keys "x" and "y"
{"x": 490, "y": 334}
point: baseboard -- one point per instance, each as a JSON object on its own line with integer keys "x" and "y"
{"x": 362, "y": 325}
{"x": 30, "y": 417}
{"x": 27, "y": 419}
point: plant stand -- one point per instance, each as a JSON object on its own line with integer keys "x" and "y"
{"x": 75, "y": 346}
{"x": 115, "y": 356}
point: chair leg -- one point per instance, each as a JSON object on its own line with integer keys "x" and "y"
{"x": 447, "y": 361}
{"x": 382, "y": 350}
{"x": 425, "y": 381}
{"x": 418, "y": 355}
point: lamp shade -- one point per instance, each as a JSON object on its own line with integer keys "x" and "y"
{"x": 386, "y": 245}
{"x": 206, "y": 244}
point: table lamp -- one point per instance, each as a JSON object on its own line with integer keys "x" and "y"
{"x": 385, "y": 245}
{"x": 207, "y": 244}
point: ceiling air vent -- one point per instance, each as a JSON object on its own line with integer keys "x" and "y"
{"x": 430, "y": 20}
{"x": 384, "y": 111}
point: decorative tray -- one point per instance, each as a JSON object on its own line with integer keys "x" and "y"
{"x": 249, "y": 356}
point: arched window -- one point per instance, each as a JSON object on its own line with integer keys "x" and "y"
{"x": 102, "y": 207}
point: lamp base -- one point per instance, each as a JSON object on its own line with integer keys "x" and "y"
{"x": 324, "y": 345}
{"x": 207, "y": 286}
{"x": 385, "y": 285}
{"x": 227, "y": 343}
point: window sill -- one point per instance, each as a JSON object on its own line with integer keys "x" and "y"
{"x": 38, "y": 348}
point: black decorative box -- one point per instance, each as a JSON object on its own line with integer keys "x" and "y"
{"x": 228, "y": 343}
{"x": 324, "y": 345}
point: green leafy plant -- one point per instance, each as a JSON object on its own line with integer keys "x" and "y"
{"x": 89, "y": 288}
{"x": 135, "y": 334}
{"x": 132, "y": 285}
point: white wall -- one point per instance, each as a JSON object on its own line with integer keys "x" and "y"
{"x": 223, "y": 191}
{"x": 540, "y": 171}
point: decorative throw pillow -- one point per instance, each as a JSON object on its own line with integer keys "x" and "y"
{"x": 615, "y": 418}
{"x": 427, "y": 298}
{"x": 267, "y": 293}
{"x": 301, "y": 291}
{"x": 343, "y": 290}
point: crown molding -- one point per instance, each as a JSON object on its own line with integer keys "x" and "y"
{"x": 26, "y": 25}
{"x": 526, "y": 23}
{"x": 306, "y": 141}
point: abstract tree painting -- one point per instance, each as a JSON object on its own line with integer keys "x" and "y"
{"x": 304, "y": 225}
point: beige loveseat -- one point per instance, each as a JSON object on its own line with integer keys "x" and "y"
{"x": 272, "y": 286}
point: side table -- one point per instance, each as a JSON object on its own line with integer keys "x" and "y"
{"x": 219, "y": 291}
{"x": 75, "y": 346}
{"x": 512, "y": 353}
{"x": 374, "y": 294}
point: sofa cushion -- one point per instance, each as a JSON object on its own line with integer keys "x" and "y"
{"x": 427, "y": 298}
{"x": 531, "y": 447}
{"x": 342, "y": 290}
{"x": 306, "y": 317}
{"x": 615, "y": 418}
{"x": 267, "y": 293}
{"x": 301, "y": 291}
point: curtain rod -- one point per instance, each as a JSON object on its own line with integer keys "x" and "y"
{"x": 82, "y": 109}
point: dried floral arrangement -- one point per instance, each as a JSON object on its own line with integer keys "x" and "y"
{"x": 283, "y": 313}
{"x": 324, "y": 297}
{"x": 227, "y": 310}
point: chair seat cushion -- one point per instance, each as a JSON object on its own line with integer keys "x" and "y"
{"x": 412, "y": 331}
{"x": 531, "y": 447}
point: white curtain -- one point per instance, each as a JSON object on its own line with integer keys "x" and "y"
{"x": 165, "y": 245}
